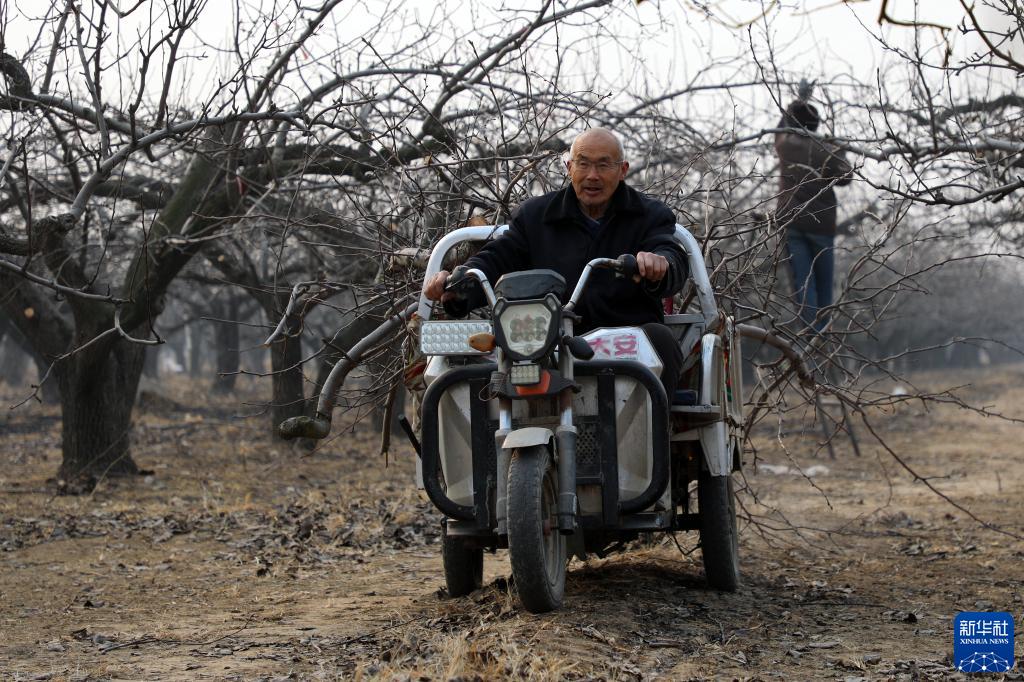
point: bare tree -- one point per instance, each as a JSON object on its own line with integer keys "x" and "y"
{"x": 121, "y": 168}
{"x": 310, "y": 153}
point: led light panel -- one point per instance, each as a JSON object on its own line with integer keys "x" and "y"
{"x": 451, "y": 337}
{"x": 525, "y": 375}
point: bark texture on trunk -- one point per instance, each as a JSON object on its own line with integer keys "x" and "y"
{"x": 228, "y": 341}
{"x": 289, "y": 399}
{"x": 97, "y": 397}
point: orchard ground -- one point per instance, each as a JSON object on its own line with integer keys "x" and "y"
{"x": 235, "y": 558}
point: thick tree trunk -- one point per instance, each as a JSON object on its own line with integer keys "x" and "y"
{"x": 228, "y": 357}
{"x": 289, "y": 397}
{"x": 97, "y": 397}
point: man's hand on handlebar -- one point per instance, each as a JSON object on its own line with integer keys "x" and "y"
{"x": 651, "y": 266}
{"x": 434, "y": 287}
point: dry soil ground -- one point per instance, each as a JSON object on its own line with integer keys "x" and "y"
{"x": 232, "y": 558}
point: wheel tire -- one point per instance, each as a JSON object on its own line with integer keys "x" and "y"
{"x": 463, "y": 565}
{"x": 718, "y": 537}
{"x": 536, "y": 548}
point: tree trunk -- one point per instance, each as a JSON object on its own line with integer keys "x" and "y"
{"x": 151, "y": 366}
{"x": 289, "y": 397}
{"x": 178, "y": 345}
{"x": 195, "y": 350}
{"x": 228, "y": 356}
{"x": 14, "y": 362}
{"x": 97, "y": 397}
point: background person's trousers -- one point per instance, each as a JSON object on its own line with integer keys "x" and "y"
{"x": 812, "y": 259}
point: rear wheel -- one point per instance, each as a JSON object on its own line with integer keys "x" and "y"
{"x": 536, "y": 548}
{"x": 463, "y": 565}
{"x": 718, "y": 537}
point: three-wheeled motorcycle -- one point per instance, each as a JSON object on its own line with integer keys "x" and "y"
{"x": 554, "y": 445}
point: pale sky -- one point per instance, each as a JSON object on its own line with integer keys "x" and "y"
{"x": 657, "y": 45}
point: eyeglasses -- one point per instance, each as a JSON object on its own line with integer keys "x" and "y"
{"x": 586, "y": 165}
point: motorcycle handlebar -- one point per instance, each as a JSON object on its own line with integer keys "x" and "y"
{"x": 462, "y": 273}
{"x": 455, "y": 278}
{"x": 624, "y": 266}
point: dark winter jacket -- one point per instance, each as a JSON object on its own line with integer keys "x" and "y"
{"x": 809, "y": 168}
{"x": 550, "y": 232}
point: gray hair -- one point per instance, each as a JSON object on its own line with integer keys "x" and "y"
{"x": 603, "y": 131}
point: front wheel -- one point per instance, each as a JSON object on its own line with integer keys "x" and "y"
{"x": 718, "y": 538}
{"x": 463, "y": 565}
{"x": 536, "y": 548}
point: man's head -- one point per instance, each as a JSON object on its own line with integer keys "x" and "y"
{"x": 801, "y": 114}
{"x": 596, "y": 166}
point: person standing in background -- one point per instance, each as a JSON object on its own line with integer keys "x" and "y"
{"x": 810, "y": 167}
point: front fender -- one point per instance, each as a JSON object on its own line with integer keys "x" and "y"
{"x": 714, "y": 441}
{"x": 528, "y": 437}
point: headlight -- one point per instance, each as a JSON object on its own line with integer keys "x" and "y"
{"x": 527, "y": 329}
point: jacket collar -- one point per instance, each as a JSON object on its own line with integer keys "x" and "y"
{"x": 564, "y": 206}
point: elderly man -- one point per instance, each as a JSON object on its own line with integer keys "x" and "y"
{"x": 596, "y": 216}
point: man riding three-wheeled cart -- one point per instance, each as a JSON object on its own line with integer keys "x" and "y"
{"x": 570, "y": 411}
{"x": 556, "y": 424}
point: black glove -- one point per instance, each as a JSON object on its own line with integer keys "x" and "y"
{"x": 466, "y": 293}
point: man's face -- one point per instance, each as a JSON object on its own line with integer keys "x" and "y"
{"x": 595, "y": 170}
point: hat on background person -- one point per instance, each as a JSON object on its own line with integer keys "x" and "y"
{"x": 801, "y": 114}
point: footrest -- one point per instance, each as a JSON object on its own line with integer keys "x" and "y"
{"x": 684, "y": 397}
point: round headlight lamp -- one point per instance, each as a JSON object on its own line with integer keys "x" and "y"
{"x": 526, "y": 329}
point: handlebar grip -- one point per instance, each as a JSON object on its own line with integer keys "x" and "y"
{"x": 456, "y": 278}
{"x": 627, "y": 266}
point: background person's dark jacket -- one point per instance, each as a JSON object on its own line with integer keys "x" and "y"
{"x": 809, "y": 168}
{"x": 550, "y": 232}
